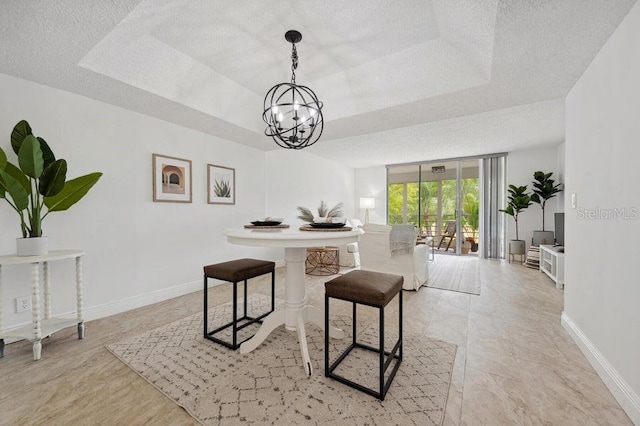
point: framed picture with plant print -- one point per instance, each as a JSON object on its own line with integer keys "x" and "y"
{"x": 221, "y": 185}
{"x": 171, "y": 179}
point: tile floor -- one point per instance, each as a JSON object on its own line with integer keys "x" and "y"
{"x": 515, "y": 364}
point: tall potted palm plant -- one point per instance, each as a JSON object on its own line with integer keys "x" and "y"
{"x": 544, "y": 188}
{"x": 519, "y": 200}
{"x": 37, "y": 186}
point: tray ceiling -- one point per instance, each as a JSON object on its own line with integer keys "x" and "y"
{"x": 442, "y": 78}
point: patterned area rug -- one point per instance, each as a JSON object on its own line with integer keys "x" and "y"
{"x": 218, "y": 386}
{"x": 455, "y": 273}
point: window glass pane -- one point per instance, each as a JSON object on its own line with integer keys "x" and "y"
{"x": 395, "y": 201}
{"x": 448, "y": 200}
{"x": 470, "y": 208}
{"x": 412, "y": 203}
{"x": 428, "y": 208}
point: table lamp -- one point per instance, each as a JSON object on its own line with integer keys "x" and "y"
{"x": 367, "y": 203}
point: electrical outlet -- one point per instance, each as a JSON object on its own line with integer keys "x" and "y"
{"x": 23, "y": 304}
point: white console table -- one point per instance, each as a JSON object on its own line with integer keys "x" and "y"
{"x": 49, "y": 325}
{"x": 552, "y": 264}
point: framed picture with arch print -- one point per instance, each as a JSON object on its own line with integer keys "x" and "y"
{"x": 171, "y": 179}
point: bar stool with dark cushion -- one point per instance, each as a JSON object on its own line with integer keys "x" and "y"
{"x": 372, "y": 289}
{"x": 235, "y": 271}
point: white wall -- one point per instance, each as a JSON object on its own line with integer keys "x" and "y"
{"x": 520, "y": 168}
{"x": 372, "y": 182}
{"x": 298, "y": 178}
{"x": 138, "y": 251}
{"x": 559, "y": 199}
{"x": 602, "y": 291}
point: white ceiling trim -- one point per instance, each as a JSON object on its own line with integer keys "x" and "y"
{"x": 510, "y": 129}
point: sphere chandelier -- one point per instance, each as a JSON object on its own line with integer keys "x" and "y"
{"x": 292, "y": 112}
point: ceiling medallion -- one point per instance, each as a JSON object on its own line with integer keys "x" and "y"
{"x": 292, "y": 112}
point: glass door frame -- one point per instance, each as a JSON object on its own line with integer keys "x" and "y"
{"x": 459, "y": 236}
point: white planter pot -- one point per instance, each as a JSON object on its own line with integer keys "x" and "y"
{"x": 37, "y": 246}
{"x": 516, "y": 247}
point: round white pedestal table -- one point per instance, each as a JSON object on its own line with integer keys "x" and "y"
{"x": 296, "y": 311}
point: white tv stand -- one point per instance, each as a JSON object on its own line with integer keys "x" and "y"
{"x": 552, "y": 263}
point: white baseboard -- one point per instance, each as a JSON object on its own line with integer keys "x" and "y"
{"x": 620, "y": 389}
{"x": 101, "y": 311}
{"x": 108, "y": 309}
{"x": 105, "y": 310}
{"x": 112, "y": 308}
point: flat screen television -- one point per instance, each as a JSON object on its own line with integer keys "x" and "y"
{"x": 559, "y": 223}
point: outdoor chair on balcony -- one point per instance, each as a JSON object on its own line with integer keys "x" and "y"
{"x": 449, "y": 233}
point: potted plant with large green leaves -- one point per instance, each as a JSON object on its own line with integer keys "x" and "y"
{"x": 37, "y": 186}
{"x": 519, "y": 200}
{"x": 544, "y": 188}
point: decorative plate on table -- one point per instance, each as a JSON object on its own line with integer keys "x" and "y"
{"x": 266, "y": 222}
{"x": 311, "y": 228}
{"x": 268, "y": 227}
{"x": 326, "y": 225}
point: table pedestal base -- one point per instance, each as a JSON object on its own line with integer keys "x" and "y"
{"x": 296, "y": 312}
{"x": 277, "y": 318}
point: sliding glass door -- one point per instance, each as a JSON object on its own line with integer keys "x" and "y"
{"x": 441, "y": 199}
{"x": 456, "y": 202}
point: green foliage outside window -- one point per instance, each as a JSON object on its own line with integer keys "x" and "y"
{"x": 395, "y": 202}
{"x": 422, "y": 203}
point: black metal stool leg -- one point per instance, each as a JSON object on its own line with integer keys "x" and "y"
{"x": 326, "y": 335}
{"x": 353, "y": 326}
{"x": 382, "y": 352}
{"x": 234, "y": 327}
{"x": 206, "y": 307}
{"x": 245, "y": 298}
{"x": 273, "y": 290}
{"x": 400, "y": 326}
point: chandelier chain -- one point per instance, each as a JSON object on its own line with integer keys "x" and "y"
{"x": 294, "y": 63}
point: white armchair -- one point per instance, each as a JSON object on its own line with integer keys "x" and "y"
{"x": 375, "y": 255}
{"x": 349, "y": 256}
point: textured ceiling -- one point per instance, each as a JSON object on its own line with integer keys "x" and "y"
{"x": 401, "y": 81}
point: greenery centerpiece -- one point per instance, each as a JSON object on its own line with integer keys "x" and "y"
{"x": 323, "y": 211}
{"x": 38, "y": 185}
{"x": 544, "y": 188}
{"x": 519, "y": 200}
